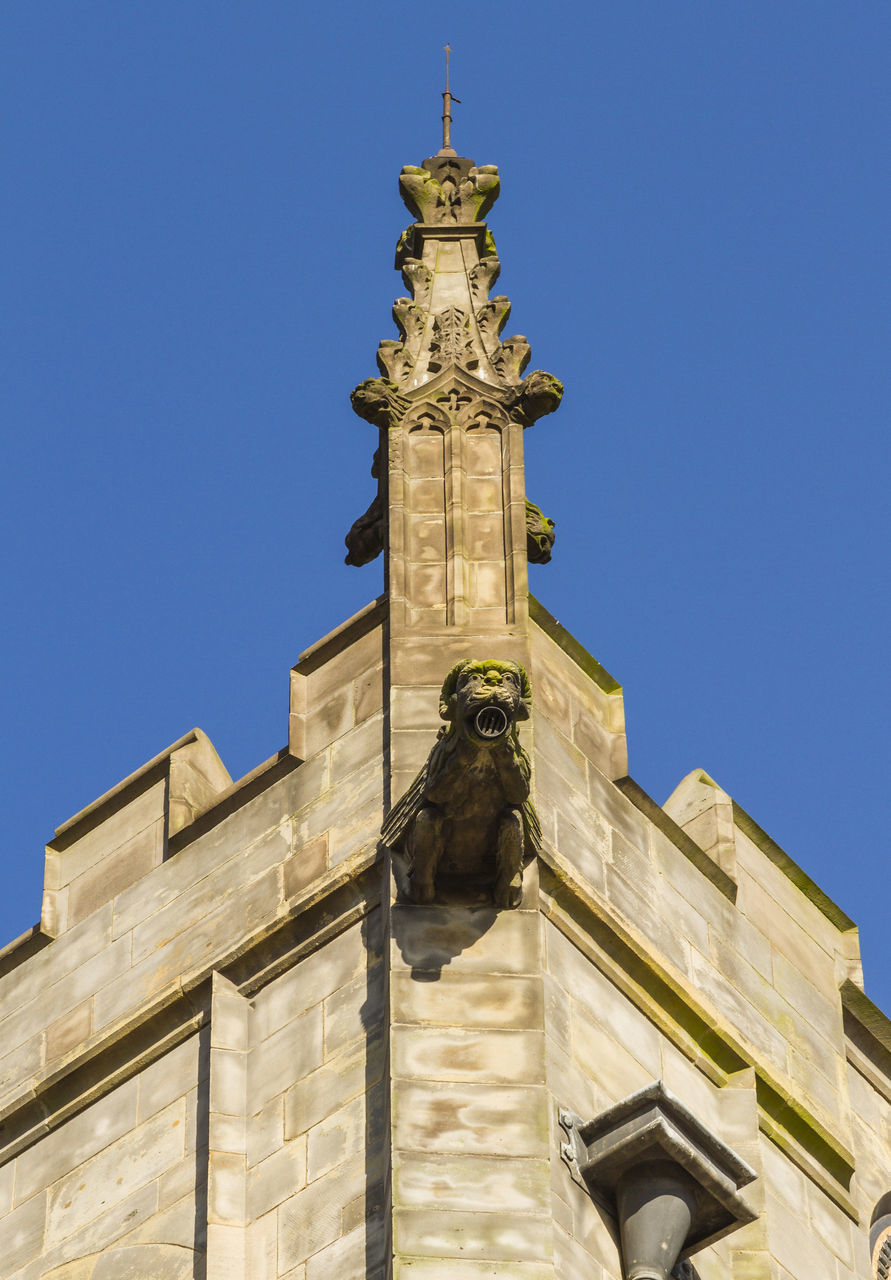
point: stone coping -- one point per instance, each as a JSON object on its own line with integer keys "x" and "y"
{"x": 89, "y": 817}
{"x": 678, "y": 836}
{"x": 570, "y": 646}
{"x": 342, "y": 636}
{"x": 792, "y": 870}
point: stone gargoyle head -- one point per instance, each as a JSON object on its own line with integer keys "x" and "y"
{"x": 485, "y": 700}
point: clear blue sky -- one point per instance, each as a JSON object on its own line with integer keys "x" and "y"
{"x": 199, "y": 213}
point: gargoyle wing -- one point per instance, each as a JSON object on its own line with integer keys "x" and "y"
{"x": 531, "y": 830}
{"x": 401, "y": 816}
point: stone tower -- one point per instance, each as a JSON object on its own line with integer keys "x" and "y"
{"x": 438, "y": 992}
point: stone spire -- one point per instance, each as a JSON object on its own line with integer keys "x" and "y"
{"x": 451, "y": 406}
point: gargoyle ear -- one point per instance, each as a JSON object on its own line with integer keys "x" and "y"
{"x": 448, "y": 699}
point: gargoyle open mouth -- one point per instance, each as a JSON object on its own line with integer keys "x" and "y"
{"x": 490, "y": 722}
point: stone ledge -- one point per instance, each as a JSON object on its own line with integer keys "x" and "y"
{"x": 694, "y": 1025}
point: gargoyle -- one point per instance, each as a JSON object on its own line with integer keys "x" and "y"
{"x": 468, "y": 816}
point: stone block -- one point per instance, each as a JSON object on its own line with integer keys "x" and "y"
{"x": 360, "y": 831}
{"x": 450, "y": 1053}
{"x": 330, "y": 719}
{"x": 172, "y": 1076}
{"x": 317, "y": 976}
{"x": 586, "y": 851}
{"x": 332, "y": 1085}
{"x": 192, "y": 906}
{"x": 285, "y": 1057}
{"x": 226, "y": 1189}
{"x": 23, "y": 1233}
{"x": 264, "y": 1130}
{"x": 496, "y": 1236}
{"x": 69, "y": 1031}
{"x": 356, "y": 793}
{"x": 342, "y": 1134}
{"x": 312, "y": 1218}
{"x": 618, "y": 811}
{"x": 119, "y": 825}
{"x": 468, "y": 1000}
{"x": 793, "y": 1243}
{"x": 276, "y": 1178}
{"x": 30, "y": 1019}
{"x": 470, "y": 1183}
{"x": 748, "y": 1022}
{"x": 226, "y": 1133}
{"x": 636, "y": 902}
{"x": 115, "y": 872}
{"x": 613, "y": 1068}
{"x": 472, "y": 1119}
{"x": 821, "y": 1008}
{"x": 466, "y": 940}
{"x": 305, "y": 865}
{"x": 77, "y": 1141}
{"x": 230, "y": 1012}
{"x": 354, "y": 1011}
{"x": 24, "y": 982}
{"x": 129, "y": 1164}
{"x": 206, "y": 940}
{"x": 356, "y": 1256}
{"x": 357, "y": 748}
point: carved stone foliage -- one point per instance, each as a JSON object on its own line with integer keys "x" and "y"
{"x": 467, "y": 818}
{"x": 449, "y": 190}
{"x": 418, "y": 279}
{"x": 511, "y": 358}
{"x": 483, "y": 276}
{"x": 452, "y": 341}
{"x": 491, "y": 318}
{"x": 539, "y": 534}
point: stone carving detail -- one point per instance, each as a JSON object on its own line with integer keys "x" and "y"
{"x": 418, "y": 278}
{"x": 451, "y": 190}
{"x": 539, "y": 534}
{"x": 410, "y": 320}
{"x": 511, "y": 358}
{"x": 491, "y": 318}
{"x": 538, "y": 394}
{"x": 468, "y": 817}
{"x": 452, "y": 342}
{"x": 483, "y": 276}
{"x": 379, "y": 402}
{"x": 394, "y": 362}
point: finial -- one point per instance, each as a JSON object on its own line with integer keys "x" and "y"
{"x": 447, "y": 100}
